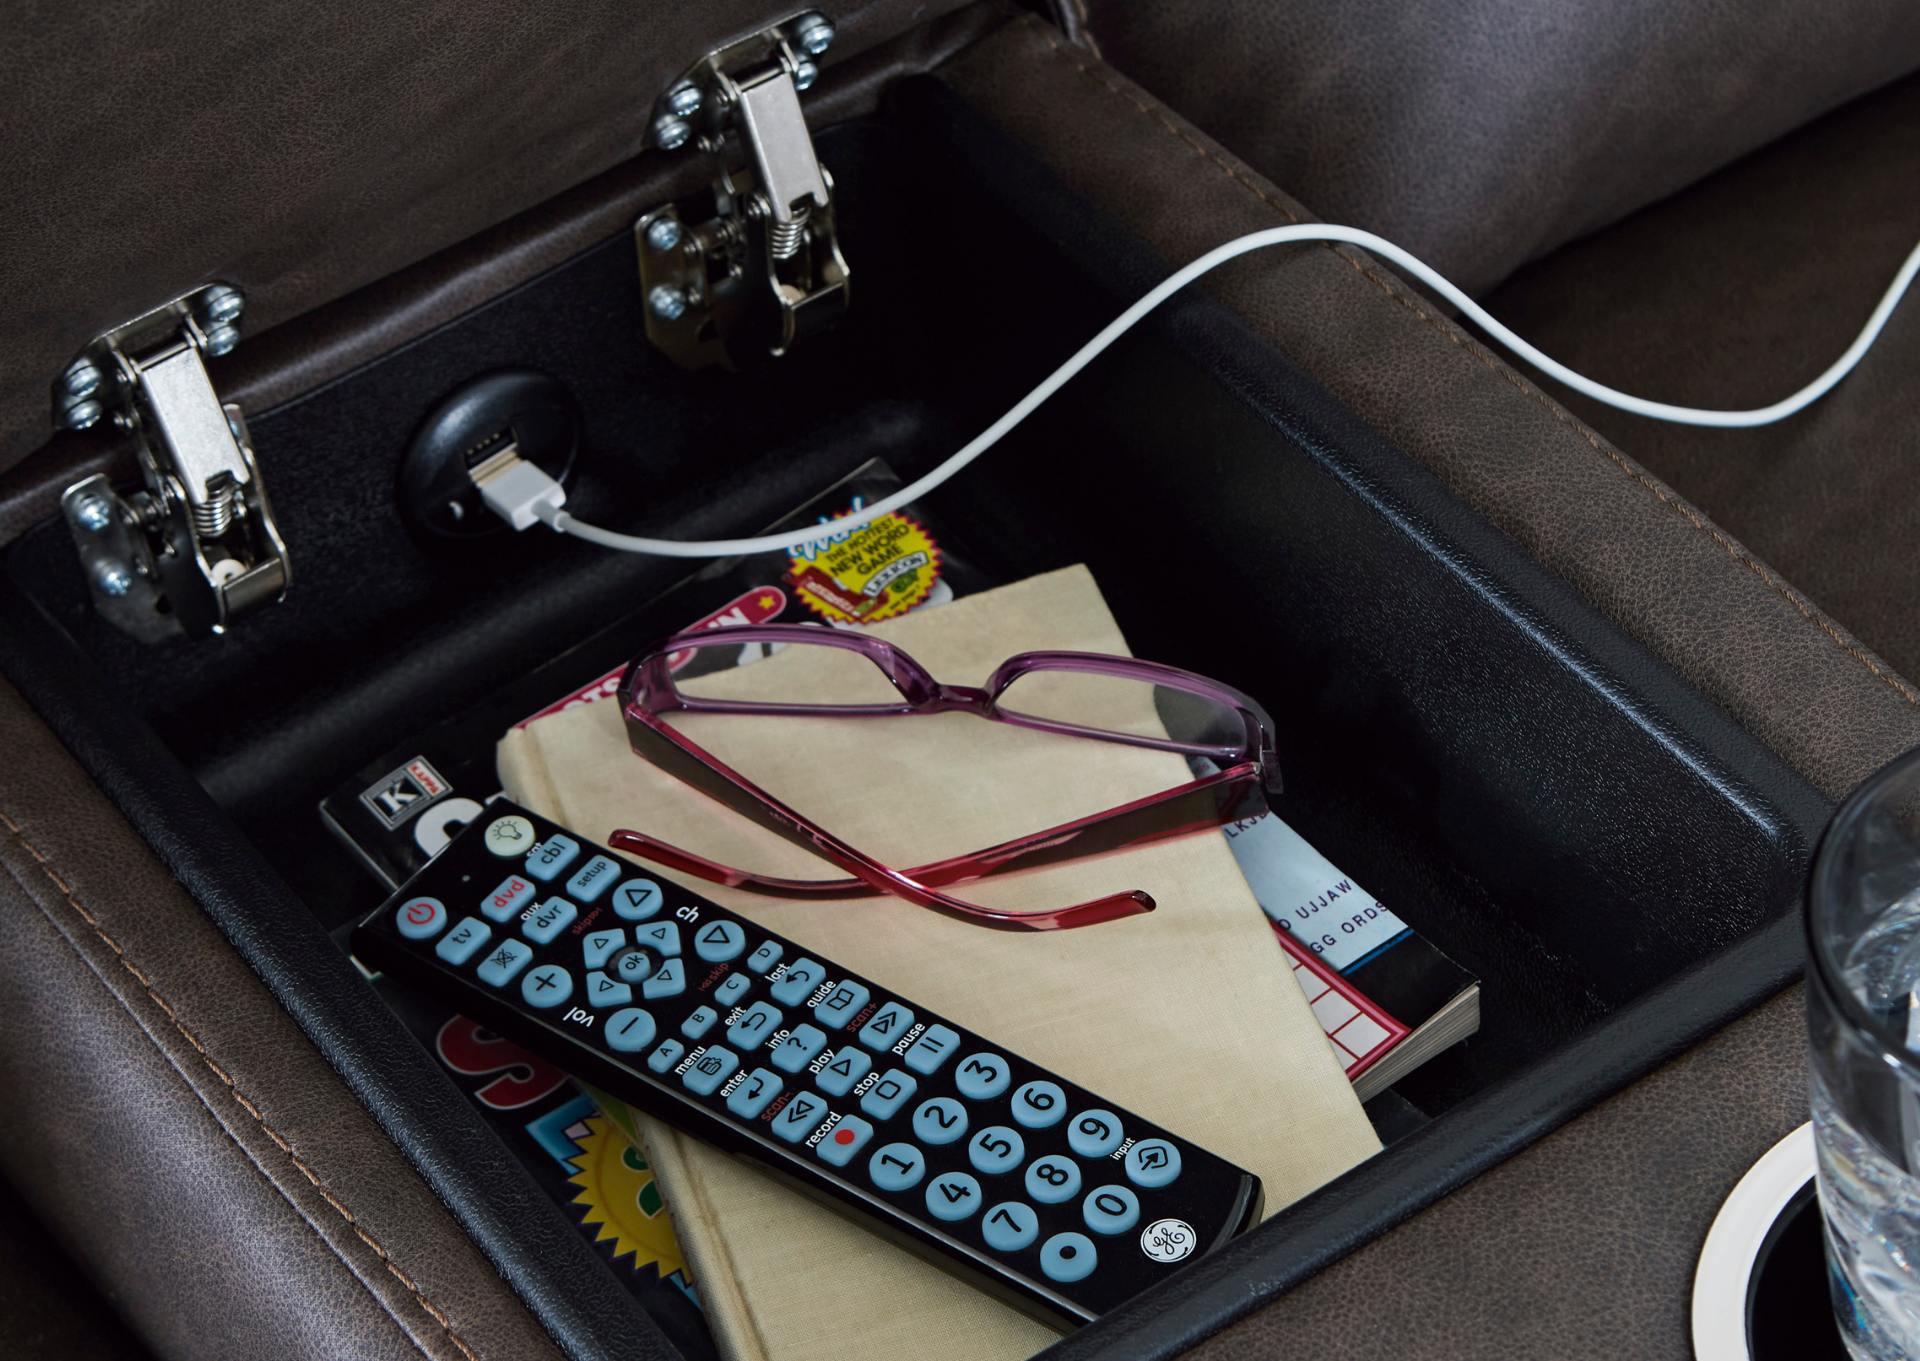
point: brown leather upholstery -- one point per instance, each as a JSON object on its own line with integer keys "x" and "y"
{"x": 1482, "y": 133}
{"x": 174, "y": 1126}
{"x": 1508, "y": 1265}
{"x": 1737, "y": 292}
{"x": 49, "y": 1310}
{"x": 303, "y": 151}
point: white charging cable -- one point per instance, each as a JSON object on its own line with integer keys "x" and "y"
{"x": 522, "y": 499}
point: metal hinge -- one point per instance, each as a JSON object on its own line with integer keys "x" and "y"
{"x": 197, "y": 546}
{"x": 765, "y": 271}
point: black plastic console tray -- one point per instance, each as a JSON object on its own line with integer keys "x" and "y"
{"x": 1618, "y": 861}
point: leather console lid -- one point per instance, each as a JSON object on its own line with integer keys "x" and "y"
{"x": 302, "y": 152}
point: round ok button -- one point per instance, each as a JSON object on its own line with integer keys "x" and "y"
{"x": 421, "y": 918}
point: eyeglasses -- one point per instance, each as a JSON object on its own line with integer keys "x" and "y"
{"x": 1226, "y": 738}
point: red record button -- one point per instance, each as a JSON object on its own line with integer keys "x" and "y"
{"x": 421, "y": 918}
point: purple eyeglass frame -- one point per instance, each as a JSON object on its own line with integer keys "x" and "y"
{"x": 1248, "y": 777}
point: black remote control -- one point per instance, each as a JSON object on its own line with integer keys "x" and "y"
{"x": 991, "y": 1166}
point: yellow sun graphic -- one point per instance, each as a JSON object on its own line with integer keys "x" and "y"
{"x": 616, "y": 1186}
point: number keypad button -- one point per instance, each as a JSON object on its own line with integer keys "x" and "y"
{"x": 1053, "y": 1180}
{"x": 1039, "y": 1104}
{"x": 1010, "y": 1226}
{"x": 1068, "y": 1257}
{"x": 897, "y": 1167}
{"x": 1110, "y": 1209}
{"x": 941, "y": 1120}
{"x": 953, "y": 1196}
{"x": 996, "y": 1149}
{"x": 1094, "y": 1133}
{"x": 981, "y": 1077}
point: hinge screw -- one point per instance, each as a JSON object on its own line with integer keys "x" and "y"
{"x": 804, "y": 74}
{"x": 813, "y": 33}
{"x": 685, "y": 101}
{"x": 663, "y": 233}
{"x": 94, "y": 513}
{"x": 668, "y": 303}
{"x": 671, "y": 132}
{"x": 112, "y": 578}
{"x": 82, "y": 414}
{"x": 222, "y": 338}
{"x": 221, "y": 306}
{"x": 82, "y": 379}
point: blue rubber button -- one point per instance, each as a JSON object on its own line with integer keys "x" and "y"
{"x": 515, "y": 895}
{"x": 552, "y": 856}
{"x": 464, "y": 941}
{"x": 765, "y": 955}
{"x": 603, "y": 991}
{"x": 629, "y": 1030}
{"x": 663, "y": 938}
{"x": 633, "y": 966}
{"x": 592, "y": 879}
{"x": 841, "y": 1005}
{"x": 802, "y": 977}
{"x": 637, "y": 899}
{"x": 802, "y": 1043}
{"x": 981, "y": 1077}
{"x": 1039, "y": 1104}
{"x": 953, "y": 1196}
{"x": 718, "y": 942}
{"x": 1110, "y": 1209}
{"x": 887, "y": 1025}
{"x": 1053, "y": 1180}
{"x": 733, "y": 988}
{"x": 754, "y": 1026}
{"x": 1094, "y": 1133}
{"x": 1010, "y": 1226}
{"x": 1068, "y": 1257}
{"x": 547, "y": 986}
{"x": 885, "y": 1098}
{"x": 897, "y": 1167}
{"x": 799, "y": 1117}
{"x": 934, "y": 1047}
{"x": 844, "y": 1140}
{"x": 711, "y": 1069}
{"x": 848, "y": 1067}
{"x": 754, "y": 1094}
{"x": 549, "y": 920}
{"x": 941, "y": 1120}
{"x": 669, "y": 980}
{"x": 996, "y": 1149}
{"x": 699, "y": 1021}
{"x": 505, "y": 960}
{"x": 597, "y": 947}
{"x": 421, "y": 918}
{"x": 1152, "y": 1162}
{"x": 668, "y": 1054}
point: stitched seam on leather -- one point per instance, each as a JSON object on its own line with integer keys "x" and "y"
{"x": 279, "y": 1140}
{"x": 1467, "y": 345}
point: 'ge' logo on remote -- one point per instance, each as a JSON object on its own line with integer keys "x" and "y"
{"x": 1167, "y": 1240}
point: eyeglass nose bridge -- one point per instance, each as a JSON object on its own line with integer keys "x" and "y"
{"x": 964, "y": 698}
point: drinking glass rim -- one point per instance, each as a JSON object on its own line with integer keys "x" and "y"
{"x": 1823, "y": 881}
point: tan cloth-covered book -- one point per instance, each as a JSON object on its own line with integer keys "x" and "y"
{"x": 1187, "y": 1015}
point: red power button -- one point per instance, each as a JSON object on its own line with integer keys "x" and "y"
{"x": 420, "y": 918}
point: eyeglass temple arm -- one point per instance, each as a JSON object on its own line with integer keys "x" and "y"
{"x": 1156, "y": 817}
{"x": 726, "y": 785}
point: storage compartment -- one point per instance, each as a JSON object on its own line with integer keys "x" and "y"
{"x": 1459, "y": 732}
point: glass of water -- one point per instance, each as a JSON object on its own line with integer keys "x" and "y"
{"x": 1863, "y": 1013}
